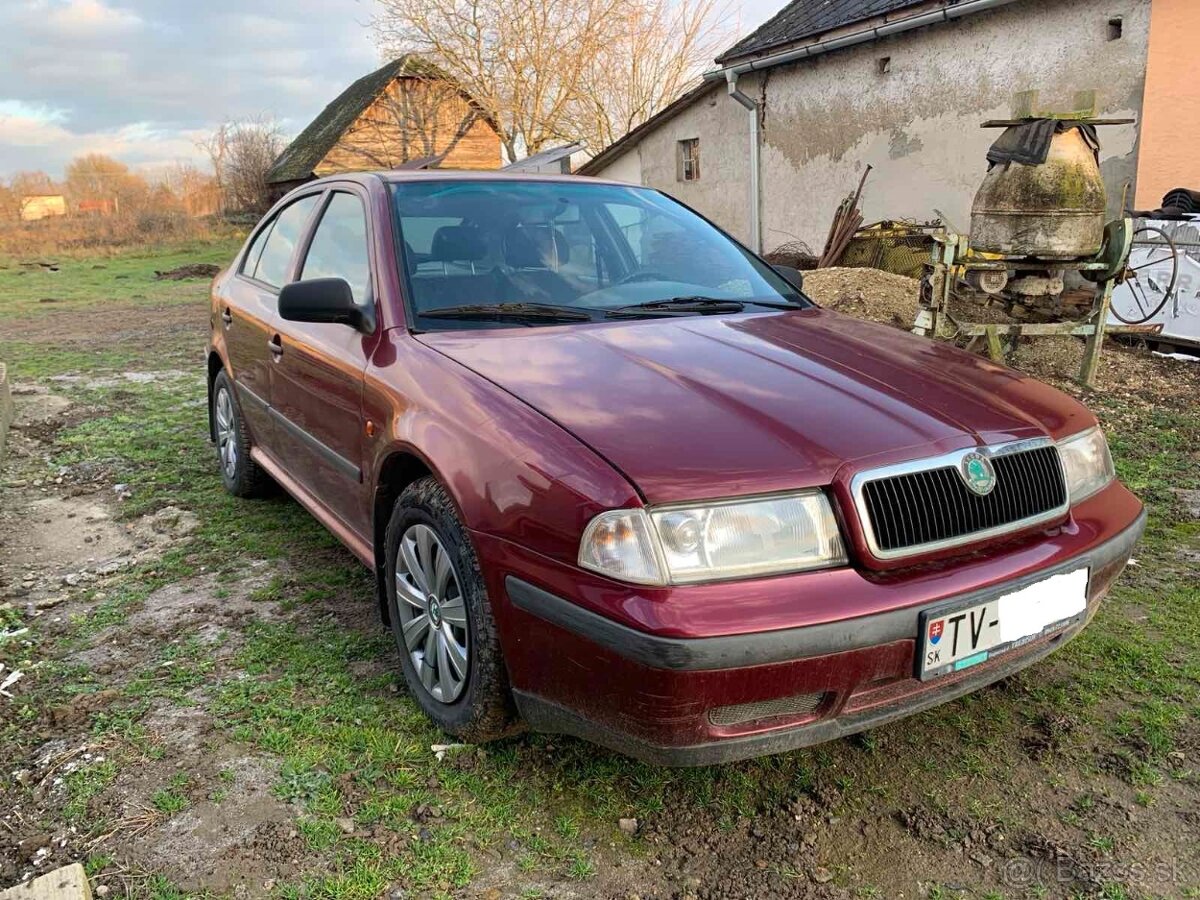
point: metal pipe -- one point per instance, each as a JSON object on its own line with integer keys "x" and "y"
{"x": 945, "y": 14}
{"x": 755, "y": 161}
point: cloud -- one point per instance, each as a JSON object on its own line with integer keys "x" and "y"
{"x": 143, "y": 78}
{"x": 90, "y": 18}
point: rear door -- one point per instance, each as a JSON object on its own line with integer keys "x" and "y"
{"x": 249, "y": 313}
{"x": 317, "y": 381}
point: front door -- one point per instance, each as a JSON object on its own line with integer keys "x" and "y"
{"x": 317, "y": 379}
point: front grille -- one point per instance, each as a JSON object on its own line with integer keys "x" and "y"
{"x": 911, "y": 510}
{"x": 792, "y": 707}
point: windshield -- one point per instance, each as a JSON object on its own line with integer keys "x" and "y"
{"x": 554, "y": 252}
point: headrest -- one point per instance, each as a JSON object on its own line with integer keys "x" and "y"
{"x": 536, "y": 247}
{"x": 458, "y": 243}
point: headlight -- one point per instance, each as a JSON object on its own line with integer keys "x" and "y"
{"x": 714, "y": 541}
{"x": 1086, "y": 462}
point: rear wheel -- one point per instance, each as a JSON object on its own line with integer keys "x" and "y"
{"x": 241, "y": 475}
{"x": 442, "y": 618}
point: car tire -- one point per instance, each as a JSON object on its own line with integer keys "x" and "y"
{"x": 241, "y": 475}
{"x": 474, "y": 705}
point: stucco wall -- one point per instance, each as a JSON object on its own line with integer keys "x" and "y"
{"x": 626, "y": 167}
{"x": 917, "y": 124}
{"x": 1169, "y": 153}
{"x": 722, "y": 192}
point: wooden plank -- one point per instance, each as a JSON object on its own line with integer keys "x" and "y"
{"x": 68, "y": 883}
{"x": 995, "y": 351}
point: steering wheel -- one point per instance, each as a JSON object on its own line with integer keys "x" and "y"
{"x": 633, "y": 277}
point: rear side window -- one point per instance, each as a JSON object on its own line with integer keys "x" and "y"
{"x": 281, "y": 242}
{"x": 250, "y": 263}
{"x": 339, "y": 245}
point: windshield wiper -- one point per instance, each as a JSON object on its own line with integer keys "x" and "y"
{"x": 519, "y": 311}
{"x": 676, "y": 306}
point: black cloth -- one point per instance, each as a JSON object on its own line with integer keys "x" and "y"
{"x": 1029, "y": 143}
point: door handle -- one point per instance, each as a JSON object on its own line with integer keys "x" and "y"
{"x": 227, "y": 316}
{"x": 275, "y": 345}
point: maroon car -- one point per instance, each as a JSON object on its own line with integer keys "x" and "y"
{"x": 619, "y": 478}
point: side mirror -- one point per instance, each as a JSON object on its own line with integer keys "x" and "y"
{"x": 791, "y": 275}
{"x": 323, "y": 300}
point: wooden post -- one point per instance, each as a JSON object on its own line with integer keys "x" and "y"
{"x": 995, "y": 350}
{"x": 1095, "y": 341}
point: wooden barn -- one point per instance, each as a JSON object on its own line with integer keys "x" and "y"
{"x": 407, "y": 112}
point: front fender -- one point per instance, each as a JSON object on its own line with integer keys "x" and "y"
{"x": 511, "y": 472}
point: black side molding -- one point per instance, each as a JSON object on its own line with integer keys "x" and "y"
{"x": 323, "y": 450}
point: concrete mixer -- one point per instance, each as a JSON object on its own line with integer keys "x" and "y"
{"x": 1037, "y": 226}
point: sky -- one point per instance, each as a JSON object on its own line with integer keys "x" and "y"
{"x": 145, "y": 80}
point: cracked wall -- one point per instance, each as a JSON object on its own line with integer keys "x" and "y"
{"x": 916, "y": 124}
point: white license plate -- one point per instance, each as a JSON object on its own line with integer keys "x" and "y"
{"x": 956, "y": 638}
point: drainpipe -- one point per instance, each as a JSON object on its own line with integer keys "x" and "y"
{"x": 730, "y": 75}
{"x": 755, "y": 161}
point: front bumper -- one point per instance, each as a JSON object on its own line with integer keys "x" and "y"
{"x": 652, "y": 696}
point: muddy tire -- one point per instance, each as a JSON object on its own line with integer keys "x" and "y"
{"x": 241, "y": 475}
{"x": 442, "y": 620}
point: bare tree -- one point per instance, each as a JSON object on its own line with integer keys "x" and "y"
{"x": 242, "y": 152}
{"x": 421, "y": 114}
{"x": 555, "y": 70}
{"x": 658, "y": 49}
{"x": 98, "y": 179}
{"x": 521, "y": 61}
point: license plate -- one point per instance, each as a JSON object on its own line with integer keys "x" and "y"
{"x": 958, "y": 637}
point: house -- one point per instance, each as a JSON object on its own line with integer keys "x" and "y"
{"x": 42, "y": 206}
{"x": 405, "y": 110}
{"x": 779, "y": 132}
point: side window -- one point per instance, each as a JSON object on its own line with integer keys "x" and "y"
{"x": 281, "y": 242}
{"x": 630, "y": 220}
{"x": 250, "y": 263}
{"x": 339, "y": 245}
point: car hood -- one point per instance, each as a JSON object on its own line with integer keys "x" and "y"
{"x": 715, "y": 406}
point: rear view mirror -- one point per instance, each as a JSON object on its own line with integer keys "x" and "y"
{"x": 791, "y": 275}
{"x": 323, "y": 300}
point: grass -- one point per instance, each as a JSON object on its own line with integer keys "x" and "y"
{"x": 349, "y": 747}
{"x": 123, "y": 279}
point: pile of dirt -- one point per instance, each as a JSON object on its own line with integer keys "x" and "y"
{"x": 866, "y": 294}
{"x": 192, "y": 270}
{"x": 1131, "y": 373}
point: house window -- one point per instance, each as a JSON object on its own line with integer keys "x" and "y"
{"x": 689, "y": 160}
{"x": 1114, "y": 28}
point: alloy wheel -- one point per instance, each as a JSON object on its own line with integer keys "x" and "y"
{"x": 227, "y": 442}
{"x": 433, "y": 613}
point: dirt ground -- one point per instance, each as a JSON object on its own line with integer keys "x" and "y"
{"x": 208, "y": 706}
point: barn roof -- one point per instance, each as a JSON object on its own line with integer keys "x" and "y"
{"x": 301, "y": 157}
{"x": 805, "y": 18}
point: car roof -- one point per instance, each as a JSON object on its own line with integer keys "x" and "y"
{"x": 395, "y": 176}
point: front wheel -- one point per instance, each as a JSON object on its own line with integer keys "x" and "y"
{"x": 442, "y": 618}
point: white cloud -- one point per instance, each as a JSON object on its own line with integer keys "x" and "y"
{"x": 91, "y": 18}
{"x": 136, "y": 77}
